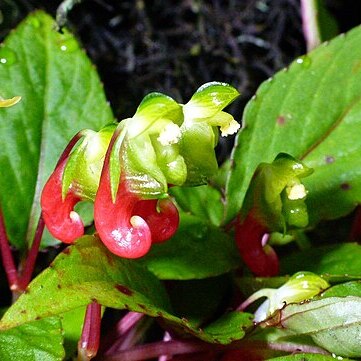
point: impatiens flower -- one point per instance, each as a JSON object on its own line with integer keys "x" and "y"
{"x": 128, "y": 225}
{"x": 274, "y": 202}
{"x": 300, "y": 287}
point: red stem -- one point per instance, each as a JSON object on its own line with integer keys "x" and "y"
{"x": 7, "y": 257}
{"x": 88, "y": 344}
{"x": 32, "y": 255}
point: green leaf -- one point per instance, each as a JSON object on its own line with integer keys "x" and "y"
{"x": 83, "y": 273}
{"x": 86, "y": 272}
{"x": 230, "y": 327}
{"x": 311, "y": 110}
{"x": 34, "y": 341}
{"x": 306, "y": 357}
{"x": 61, "y": 94}
{"x": 72, "y": 323}
{"x": 334, "y": 323}
{"x": 337, "y": 260}
{"x": 198, "y": 250}
{"x": 203, "y": 201}
{"x": 209, "y": 99}
{"x": 343, "y": 290}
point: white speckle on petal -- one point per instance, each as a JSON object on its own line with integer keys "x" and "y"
{"x": 170, "y": 134}
{"x": 298, "y": 191}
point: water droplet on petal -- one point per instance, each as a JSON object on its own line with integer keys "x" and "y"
{"x": 7, "y": 56}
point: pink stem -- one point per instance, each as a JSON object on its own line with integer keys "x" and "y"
{"x": 88, "y": 344}
{"x": 33, "y": 254}
{"x": 114, "y": 339}
{"x": 310, "y": 26}
{"x": 178, "y": 347}
{"x": 128, "y": 321}
{"x": 167, "y": 337}
{"x": 7, "y": 257}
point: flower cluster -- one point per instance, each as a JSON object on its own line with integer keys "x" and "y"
{"x": 127, "y": 168}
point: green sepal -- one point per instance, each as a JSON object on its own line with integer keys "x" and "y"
{"x": 83, "y": 169}
{"x": 209, "y": 99}
{"x": 115, "y": 163}
{"x": 197, "y": 148}
{"x": 171, "y": 162}
{"x": 142, "y": 172}
{"x": 276, "y": 195}
{"x": 154, "y": 107}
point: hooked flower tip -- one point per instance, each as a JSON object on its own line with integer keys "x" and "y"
{"x": 61, "y": 220}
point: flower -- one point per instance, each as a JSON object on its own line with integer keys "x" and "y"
{"x": 300, "y": 287}
{"x": 126, "y": 170}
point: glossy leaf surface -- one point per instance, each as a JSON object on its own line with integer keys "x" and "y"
{"x": 311, "y": 111}
{"x": 35, "y": 341}
{"x": 61, "y": 94}
{"x": 87, "y": 271}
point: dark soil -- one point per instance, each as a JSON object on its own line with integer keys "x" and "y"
{"x": 173, "y": 47}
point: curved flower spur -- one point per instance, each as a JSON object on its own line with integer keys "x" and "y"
{"x": 275, "y": 202}
{"x": 126, "y": 170}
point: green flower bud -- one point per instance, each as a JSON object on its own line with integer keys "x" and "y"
{"x": 300, "y": 287}
{"x": 277, "y": 195}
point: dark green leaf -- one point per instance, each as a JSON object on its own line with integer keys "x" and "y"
{"x": 86, "y": 272}
{"x": 34, "y": 341}
{"x": 336, "y": 260}
{"x": 203, "y": 201}
{"x": 343, "y": 290}
{"x": 311, "y": 110}
{"x": 232, "y": 326}
{"x": 61, "y": 94}
{"x": 198, "y": 250}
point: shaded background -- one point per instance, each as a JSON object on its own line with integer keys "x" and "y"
{"x": 173, "y": 47}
